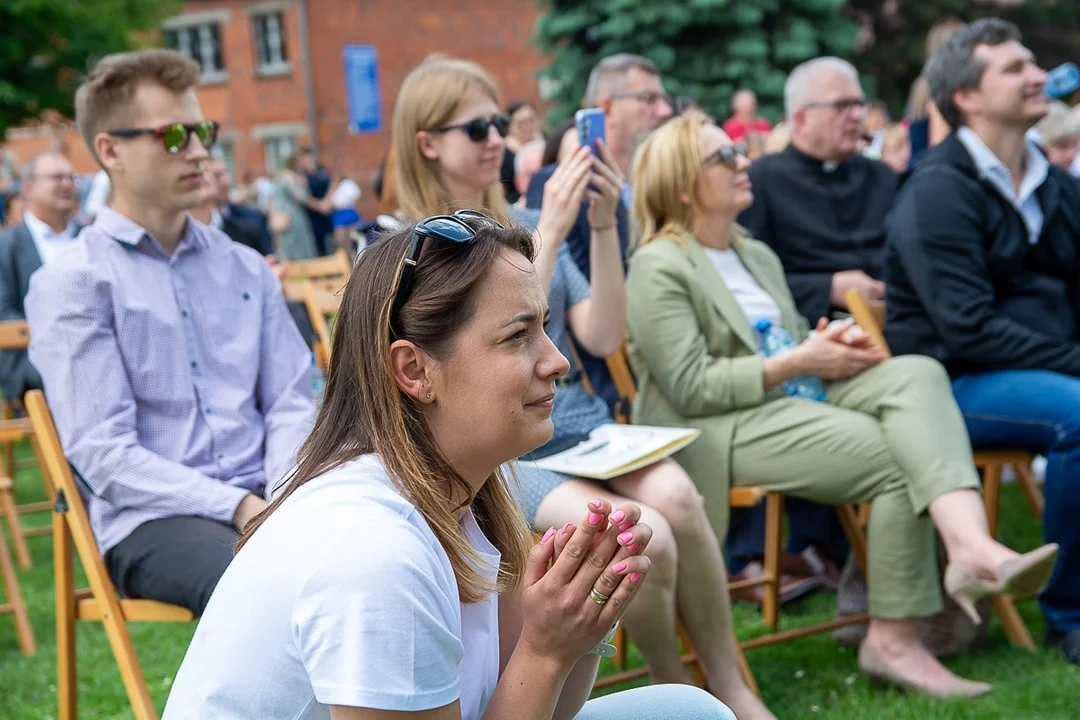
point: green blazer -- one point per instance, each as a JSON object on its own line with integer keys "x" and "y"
{"x": 695, "y": 354}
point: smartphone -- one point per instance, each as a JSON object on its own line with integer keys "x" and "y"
{"x": 590, "y": 128}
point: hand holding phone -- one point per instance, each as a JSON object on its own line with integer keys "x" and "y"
{"x": 590, "y": 128}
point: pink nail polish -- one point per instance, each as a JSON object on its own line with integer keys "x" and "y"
{"x": 596, "y": 504}
{"x": 632, "y": 548}
{"x": 548, "y": 535}
{"x": 595, "y": 518}
{"x": 626, "y": 525}
{"x": 626, "y": 537}
{"x": 617, "y": 516}
{"x": 566, "y": 528}
{"x": 635, "y": 577}
{"x": 618, "y": 567}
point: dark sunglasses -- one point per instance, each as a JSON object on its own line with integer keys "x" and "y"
{"x": 453, "y": 229}
{"x": 478, "y": 129}
{"x": 175, "y": 137}
{"x": 728, "y": 156}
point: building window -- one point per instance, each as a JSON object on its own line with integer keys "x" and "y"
{"x": 278, "y": 150}
{"x": 201, "y": 43}
{"x": 225, "y": 153}
{"x": 270, "y": 52}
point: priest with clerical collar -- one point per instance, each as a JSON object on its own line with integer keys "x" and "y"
{"x": 819, "y": 204}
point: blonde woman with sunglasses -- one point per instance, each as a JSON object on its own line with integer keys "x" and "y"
{"x": 886, "y": 431}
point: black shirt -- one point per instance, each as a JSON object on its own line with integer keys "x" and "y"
{"x": 820, "y": 219}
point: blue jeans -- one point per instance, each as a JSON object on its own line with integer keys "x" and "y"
{"x": 1038, "y": 411}
{"x": 657, "y": 702}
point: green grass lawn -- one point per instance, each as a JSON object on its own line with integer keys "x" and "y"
{"x": 809, "y": 678}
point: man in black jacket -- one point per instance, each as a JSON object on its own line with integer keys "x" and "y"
{"x": 983, "y": 270}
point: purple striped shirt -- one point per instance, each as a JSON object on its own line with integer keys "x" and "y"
{"x": 178, "y": 384}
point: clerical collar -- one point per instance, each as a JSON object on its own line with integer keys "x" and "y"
{"x": 826, "y": 166}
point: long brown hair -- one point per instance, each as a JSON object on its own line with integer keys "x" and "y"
{"x": 364, "y": 411}
{"x": 429, "y": 97}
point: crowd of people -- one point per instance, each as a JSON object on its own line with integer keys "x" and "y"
{"x": 376, "y": 553}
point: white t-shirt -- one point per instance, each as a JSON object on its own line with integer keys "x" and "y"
{"x": 343, "y": 597}
{"x": 756, "y": 304}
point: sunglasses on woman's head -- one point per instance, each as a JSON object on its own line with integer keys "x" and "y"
{"x": 728, "y": 156}
{"x": 176, "y": 136}
{"x": 453, "y": 229}
{"x": 478, "y": 129}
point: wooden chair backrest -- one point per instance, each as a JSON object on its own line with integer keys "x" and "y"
{"x": 619, "y": 367}
{"x": 69, "y": 499}
{"x": 321, "y": 302}
{"x": 871, "y": 318}
{"x": 331, "y": 266}
{"x": 14, "y": 335}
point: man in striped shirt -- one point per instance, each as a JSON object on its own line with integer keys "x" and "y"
{"x": 179, "y": 382}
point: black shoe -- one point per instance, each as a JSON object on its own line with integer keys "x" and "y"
{"x": 1067, "y": 642}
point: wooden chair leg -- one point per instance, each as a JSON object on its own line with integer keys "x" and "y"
{"x": 15, "y": 605}
{"x": 619, "y": 641}
{"x": 1015, "y": 629}
{"x": 11, "y": 515}
{"x": 853, "y": 529}
{"x": 774, "y": 517}
{"x": 1030, "y": 487}
{"x": 991, "y": 479}
{"x": 67, "y": 685}
{"x": 130, "y": 671}
{"x": 744, "y": 670}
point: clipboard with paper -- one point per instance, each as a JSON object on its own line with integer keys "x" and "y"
{"x": 612, "y": 450}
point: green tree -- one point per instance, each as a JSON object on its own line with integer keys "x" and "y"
{"x": 46, "y": 45}
{"x": 706, "y": 49}
{"x": 892, "y": 48}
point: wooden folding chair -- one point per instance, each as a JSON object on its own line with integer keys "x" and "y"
{"x": 15, "y": 335}
{"x": 100, "y": 603}
{"x": 990, "y": 464}
{"x": 321, "y": 303}
{"x": 748, "y": 497}
{"x": 332, "y": 267}
{"x": 15, "y": 606}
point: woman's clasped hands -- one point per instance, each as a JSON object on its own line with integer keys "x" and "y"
{"x": 580, "y": 579}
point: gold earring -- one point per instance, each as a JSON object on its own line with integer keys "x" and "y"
{"x": 429, "y": 396}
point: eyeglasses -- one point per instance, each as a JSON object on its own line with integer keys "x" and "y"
{"x": 175, "y": 137}
{"x": 649, "y": 97}
{"x": 841, "y": 106}
{"x": 478, "y": 129}
{"x": 728, "y": 156}
{"x": 55, "y": 177}
{"x": 445, "y": 228}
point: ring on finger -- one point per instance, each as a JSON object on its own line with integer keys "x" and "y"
{"x": 598, "y": 597}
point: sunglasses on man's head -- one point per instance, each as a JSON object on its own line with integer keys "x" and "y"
{"x": 728, "y": 156}
{"x": 176, "y": 136}
{"x": 454, "y": 229}
{"x": 478, "y": 129}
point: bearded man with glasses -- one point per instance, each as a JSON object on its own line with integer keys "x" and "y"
{"x": 179, "y": 383}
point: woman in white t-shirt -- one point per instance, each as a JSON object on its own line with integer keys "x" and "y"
{"x": 392, "y": 576}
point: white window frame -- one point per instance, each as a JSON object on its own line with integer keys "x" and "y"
{"x": 273, "y": 15}
{"x": 201, "y": 24}
{"x": 273, "y": 137}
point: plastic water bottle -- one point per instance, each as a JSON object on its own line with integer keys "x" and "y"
{"x": 318, "y": 382}
{"x": 777, "y": 341}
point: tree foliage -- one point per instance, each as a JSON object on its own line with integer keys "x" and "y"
{"x": 710, "y": 48}
{"x": 47, "y": 45}
{"x": 706, "y": 49}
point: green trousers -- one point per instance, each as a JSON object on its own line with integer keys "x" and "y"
{"x": 893, "y": 436}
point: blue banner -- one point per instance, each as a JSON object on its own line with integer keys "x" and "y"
{"x": 362, "y": 88}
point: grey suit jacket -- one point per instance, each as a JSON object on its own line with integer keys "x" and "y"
{"x": 19, "y": 258}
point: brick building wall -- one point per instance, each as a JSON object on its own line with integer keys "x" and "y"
{"x": 264, "y": 109}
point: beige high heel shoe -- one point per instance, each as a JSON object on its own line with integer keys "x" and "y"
{"x": 1021, "y": 576}
{"x": 874, "y": 667}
